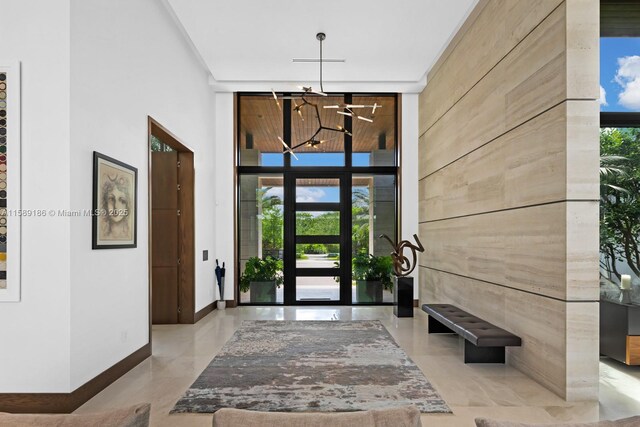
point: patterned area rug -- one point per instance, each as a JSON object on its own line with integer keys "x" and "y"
{"x": 314, "y": 366}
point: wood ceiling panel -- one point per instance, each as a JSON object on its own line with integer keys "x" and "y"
{"x": 260, "y": 117}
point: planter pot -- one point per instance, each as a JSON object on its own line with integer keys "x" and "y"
{"x": 403, "y": 296}
{"x": 222, "y": 305}
{"x": 260, "y": 292}
{"x": 368, "y": 291}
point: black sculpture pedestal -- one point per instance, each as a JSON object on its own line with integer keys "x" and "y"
{"x": 403, "y": 296}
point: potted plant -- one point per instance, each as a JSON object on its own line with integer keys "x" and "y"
{"x": 261, "y": 277}
{"x": 373, "y": 275}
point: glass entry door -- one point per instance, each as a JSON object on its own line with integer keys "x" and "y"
{"x": 317, "y": 239}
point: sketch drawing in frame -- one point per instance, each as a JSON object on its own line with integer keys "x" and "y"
{"x": 115, "y": 197}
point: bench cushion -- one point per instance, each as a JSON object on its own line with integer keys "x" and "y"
{"x": 477, "y": 331}
{"x": 491, "y": 336}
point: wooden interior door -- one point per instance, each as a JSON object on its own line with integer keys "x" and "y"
{"x": 186, "y": 238}
{"x": 164, "y": 251}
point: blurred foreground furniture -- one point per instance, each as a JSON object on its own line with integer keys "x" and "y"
{"x": 135, "y": 416}
{"x": 626, "y": 422}
{"x": 405, "y": 416}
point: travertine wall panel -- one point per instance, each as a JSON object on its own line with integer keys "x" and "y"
{"x": 521, "y": 248}
{"x": 536, "y": 320}
{"x": 498, "y": 27}
{"x": 528, "y": 81}
{"x": 528, "y": 166}
{"x": 508, "y": 191}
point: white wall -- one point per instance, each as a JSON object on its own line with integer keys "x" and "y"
{"x": 409, "y": 178}
{"x": 91, "y": 73}
{"x": 225, "y": 171}
{"x": 129, "y": 60}
{"x": 34, "y": 333}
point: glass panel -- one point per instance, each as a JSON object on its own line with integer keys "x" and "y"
{"x": 374, "y": 143}
{"x": 260, "y": 126}
{"x": 373, "y": 212}
{"x": 619, "y": 74}
{"x": 619, "y": 212}
{"x": 318, "y": 255}
{"x": 261, "y": 238}
{"x": 318, "y": 223}
{"x": 158, "y": 145}
{"x": 327, "y": 148}
{"x": 317, "y": 289}
{"x": 314, "y": 190}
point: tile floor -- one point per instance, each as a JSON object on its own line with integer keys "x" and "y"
{"x": 181, "y": 352}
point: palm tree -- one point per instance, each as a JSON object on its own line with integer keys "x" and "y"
{"x": 272, "y": 221}
{"x": 610, "y": 169}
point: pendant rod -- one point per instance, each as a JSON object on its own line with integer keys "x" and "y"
{"x": 321, "y": 37}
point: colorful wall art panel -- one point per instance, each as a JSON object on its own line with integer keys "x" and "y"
{"x": 10, "y": 211}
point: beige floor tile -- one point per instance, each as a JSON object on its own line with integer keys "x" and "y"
{"x": 181, "y": 352}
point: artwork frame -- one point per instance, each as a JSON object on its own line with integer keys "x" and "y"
{"x": 114, "y": 213}
{"x": 10, "y": 182}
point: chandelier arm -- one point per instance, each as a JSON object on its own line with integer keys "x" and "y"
{"x": 317, "y": 114}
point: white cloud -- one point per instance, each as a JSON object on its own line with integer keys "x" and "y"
{"x": 628, "y": 77}
{"x": 309, "y": 195}
{"x": 303, "y": 194}
{"x": 603, "y": 96}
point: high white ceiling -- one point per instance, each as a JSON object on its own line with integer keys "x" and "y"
{"x": 381, "y": 41}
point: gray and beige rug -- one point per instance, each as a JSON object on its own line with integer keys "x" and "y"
{"x": 317, "y": 366}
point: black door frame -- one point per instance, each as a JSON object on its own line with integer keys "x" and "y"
{"x": 288, "y": 171}
{"x": 291, "y": 207}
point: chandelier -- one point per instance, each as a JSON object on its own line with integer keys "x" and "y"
{"x": 303, "y": 101}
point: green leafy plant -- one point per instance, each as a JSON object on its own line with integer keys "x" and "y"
{"x": 369, "y": 267}
{"x": 268, "y": 269}
{"x": 619, "y": 201}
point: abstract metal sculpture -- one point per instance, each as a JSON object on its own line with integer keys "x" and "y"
{"x": 401, "y": 264}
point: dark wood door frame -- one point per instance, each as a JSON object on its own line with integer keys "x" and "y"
{"x": 186, "y": 225}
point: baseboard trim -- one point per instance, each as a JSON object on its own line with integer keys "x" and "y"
{"x": 416, "y": 303}
{"x": 231, "y": 303}
{"x": 204, "y": 311}
{"x": 65, "y": 403}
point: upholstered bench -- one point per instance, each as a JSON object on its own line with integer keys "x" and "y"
{"x": 483, "y": 342}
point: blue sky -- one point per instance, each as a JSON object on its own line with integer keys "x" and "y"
{"x": 314, "y": 194}
{"x": 315, "y": 159}
{"x": 619, "y": 74}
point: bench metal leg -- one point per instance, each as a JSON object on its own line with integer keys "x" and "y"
{"x": 474, "y": 354}
{"x": 436, "y": 327}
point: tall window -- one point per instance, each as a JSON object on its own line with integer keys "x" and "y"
{"x": 619, "y": 149}
{"x": 309, "y": 226}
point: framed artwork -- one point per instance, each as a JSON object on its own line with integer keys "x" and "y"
{"x": 10, "y": 204}
{"x": 115, "y": 198}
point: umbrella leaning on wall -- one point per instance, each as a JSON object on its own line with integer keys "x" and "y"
{"x": 220, "y": 272}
